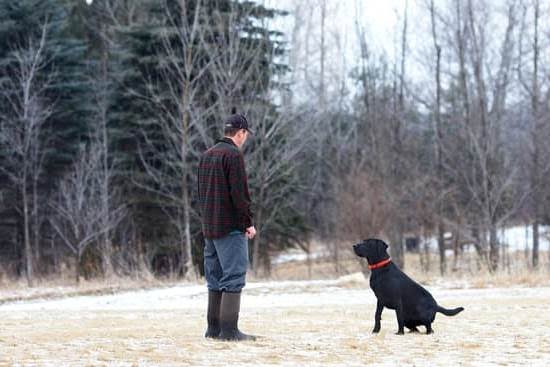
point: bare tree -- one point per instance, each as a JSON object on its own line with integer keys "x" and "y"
{"x": 182, "y": 118}
{"x": 532, "y": 83}
{"x": 102, "y": 93}
{"x": 490, "y": 180}
{"x": 472, "y": 90}
{"x": 22, "y": 131}
{"x": 322, "y": 56}
{"x": 109, "y": 18}
{"x": 438, "y": 142}
{"x": 78, "y": 216}
{"x": 274, "y": 170}
{"x": 397, "y": 171}
{"x": 241, "y": 80}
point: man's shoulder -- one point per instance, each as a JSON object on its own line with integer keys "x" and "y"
{"x": 223, "y": 148}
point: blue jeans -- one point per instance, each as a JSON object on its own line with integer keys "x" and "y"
{"x": 226, "y": 262}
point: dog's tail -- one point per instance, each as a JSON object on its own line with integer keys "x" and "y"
{"x": 447, "y": 312}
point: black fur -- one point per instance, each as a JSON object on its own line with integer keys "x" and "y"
{"x": 413, "y": 305}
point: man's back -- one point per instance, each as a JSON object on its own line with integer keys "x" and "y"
{"x": 224, "y": 200}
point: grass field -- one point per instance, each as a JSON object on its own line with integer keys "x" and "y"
{"x": 305, "y": 323}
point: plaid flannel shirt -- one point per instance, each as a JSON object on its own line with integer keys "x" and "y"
{"x": 224, "y": 200}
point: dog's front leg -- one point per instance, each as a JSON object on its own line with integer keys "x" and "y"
{"x": 378, "y": 316}
{"x": 400, "y": 319}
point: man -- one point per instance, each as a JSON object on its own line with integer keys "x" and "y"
{"x": 227, "y": 225}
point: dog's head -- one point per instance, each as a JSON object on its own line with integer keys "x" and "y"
{"x": 373, "y": 249}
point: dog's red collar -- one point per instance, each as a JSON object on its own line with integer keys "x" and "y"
{"x": 380, "y": 264}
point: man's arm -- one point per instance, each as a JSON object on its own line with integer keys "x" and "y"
{"x": 240, "y": 196}
{"x": 198, "y": 192}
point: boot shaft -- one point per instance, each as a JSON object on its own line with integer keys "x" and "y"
{"x": 213, "y": 314}
{"x": 229, "y": 318}
{"x": 230, "y": 306}
{"x": 214, "y": 305}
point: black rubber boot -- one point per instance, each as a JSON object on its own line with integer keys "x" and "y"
{"x": 229, "y": 318}
{"x": 213, "y": 315}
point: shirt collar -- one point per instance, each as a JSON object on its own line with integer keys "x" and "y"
{"x": 228, "y": 141}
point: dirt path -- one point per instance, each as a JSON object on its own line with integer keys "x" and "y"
{"x": 301, "y": 324}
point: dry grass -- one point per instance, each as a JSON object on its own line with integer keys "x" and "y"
{"x": 470, "y": 274}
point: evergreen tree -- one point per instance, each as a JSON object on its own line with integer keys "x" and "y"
{"x": 43, "y": 99}
{"x": 174, "y": 94}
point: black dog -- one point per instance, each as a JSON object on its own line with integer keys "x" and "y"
{"x": 413, "y": 304}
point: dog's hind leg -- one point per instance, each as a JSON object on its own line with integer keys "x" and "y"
{"x": 378, "y": 317}
{"x": 411, "y": 325}
{"x": 429, "y": 329}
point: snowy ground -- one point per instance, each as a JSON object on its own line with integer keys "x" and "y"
{"x": 302, "y": 323}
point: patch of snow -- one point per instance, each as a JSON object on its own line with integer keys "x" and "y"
{"x": 297, "y": 255}
{"x": 516, "y": 238}
{"x": 519, "y": 238}
{"x": 256, "y": 294}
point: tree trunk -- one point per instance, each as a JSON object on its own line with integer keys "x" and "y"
{"x": 535, "y": 262}
{"x": 264, "y": 254}
{"x": 322, "y": 55}
{"x": 493, "y": 248}
{"x": 438, "y": 148}
{"x": 461, "y": 40}
{"x": 536, "y": 182}
{"x": 26, "y": 235}
{"x": 186, "y": 250}
{"x": 441, "y": 247}
{"x": 256, "y": 242}
{"x": 103, "y": 101}
{"x": 54, "y": 255}
{"x": 427, "y": 261}
{"x": 259, "y": 217}
{"x": 308, "y": 249}
{"x": 35, "y": 223}
{"x": 336, "y": 257}
{"x": 456, "y": 247}
{"x": 186, "y": 253}
{"x": 77, "y": 268}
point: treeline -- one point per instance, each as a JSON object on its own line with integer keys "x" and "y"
{"x": 446, "y": 136}
{"x": 105, "y": 109}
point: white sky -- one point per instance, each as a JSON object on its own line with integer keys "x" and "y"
{"x": 380, "y": 20}
{"x": 378, "y": 17}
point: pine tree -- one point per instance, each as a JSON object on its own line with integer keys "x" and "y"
{"x": 43, "y": 109}
{"x": 172, "y": 97}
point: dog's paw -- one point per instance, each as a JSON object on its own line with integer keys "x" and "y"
{"x": 375, "y": 331}
{"x": 401, "y": 332}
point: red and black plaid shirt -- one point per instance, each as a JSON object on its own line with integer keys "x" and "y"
{"x": 224, "y": 201}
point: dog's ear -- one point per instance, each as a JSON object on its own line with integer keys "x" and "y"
{"x": 382, "y": 244}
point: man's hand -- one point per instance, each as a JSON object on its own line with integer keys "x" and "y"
{"x": 250, "y": 232}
